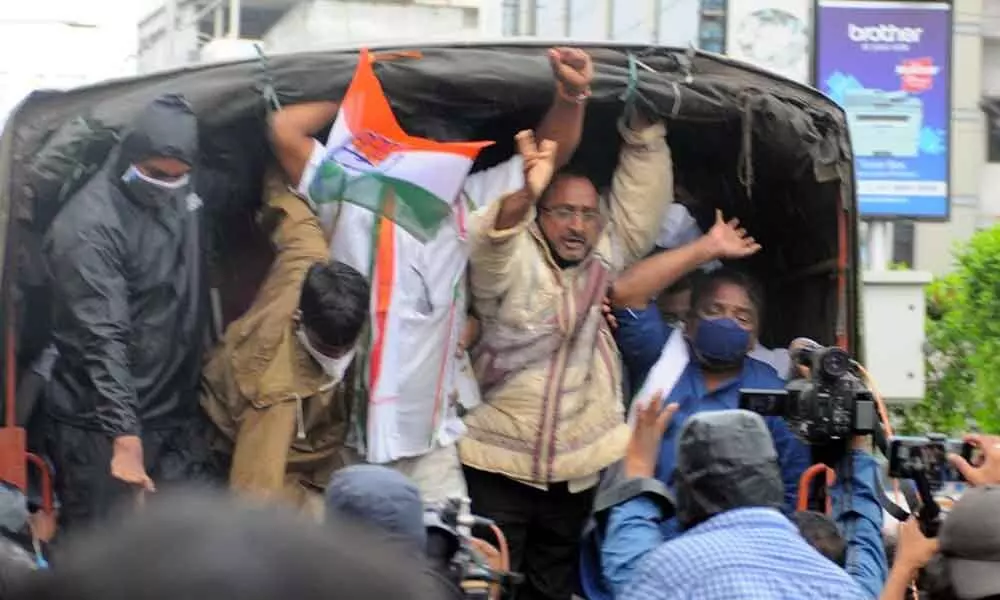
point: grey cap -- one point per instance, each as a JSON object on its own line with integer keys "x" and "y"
{"x": 380, "y": 497}
{"x": 725, "y": 459}
{"x": 970, "y": 542}
{"x": 13, "y": 509}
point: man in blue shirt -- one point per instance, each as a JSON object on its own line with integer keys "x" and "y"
{"x": 737, "y": 543}
{"x": 721, "y": 329}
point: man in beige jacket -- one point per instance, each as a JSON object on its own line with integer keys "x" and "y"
{"x": 541, "y": 262}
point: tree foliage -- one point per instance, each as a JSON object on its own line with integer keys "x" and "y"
{"x": 963, "y": 336}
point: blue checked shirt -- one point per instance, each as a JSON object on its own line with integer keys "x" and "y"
{"x": 742, "y": 554}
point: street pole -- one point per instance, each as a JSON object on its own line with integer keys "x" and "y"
{"x": 568, "y": 19}
{"x": 532, "y": 21}
{"x": 218, "y": 21}
{"x": 234, "y": 19}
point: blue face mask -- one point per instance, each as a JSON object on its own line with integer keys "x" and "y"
{"x": 720, "y": 342}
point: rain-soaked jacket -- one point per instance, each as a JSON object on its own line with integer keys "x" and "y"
{"x": 129, "y": 294}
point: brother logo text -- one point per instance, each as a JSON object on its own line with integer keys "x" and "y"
{"x": 885, "y": 34}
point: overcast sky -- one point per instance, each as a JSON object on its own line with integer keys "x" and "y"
{"x": 62, "y": 43}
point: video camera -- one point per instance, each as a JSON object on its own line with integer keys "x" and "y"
{"x": 468, "y": 558}
{"x": 829, "y": 406}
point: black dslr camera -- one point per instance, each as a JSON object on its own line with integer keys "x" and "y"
{"x": 830, "y": 406}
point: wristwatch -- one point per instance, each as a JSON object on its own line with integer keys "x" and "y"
{"x": 578, "y": 98}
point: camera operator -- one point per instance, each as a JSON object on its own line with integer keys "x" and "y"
{"x": 969, "y": 542}
{"x": 736, "y": 543}
{"x": 857, "y": 511}
{"x": 859, "y": 516}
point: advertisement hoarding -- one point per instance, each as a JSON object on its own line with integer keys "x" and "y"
{"x": 772, "y": 34}
{"x": 889, "y": 65}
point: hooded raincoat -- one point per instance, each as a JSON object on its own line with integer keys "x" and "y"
{"x": 130, "y": 300}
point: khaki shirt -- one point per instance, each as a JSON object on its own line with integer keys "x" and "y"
{"x": 284, "y": 420}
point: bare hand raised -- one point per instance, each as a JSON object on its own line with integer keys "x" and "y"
{"x": 539, "y": 162}
{"x": 729, "y": 240}
{"x": 651, "y": 423}
{"x": 987, "y": 472}
{"x": 573, "y": 69}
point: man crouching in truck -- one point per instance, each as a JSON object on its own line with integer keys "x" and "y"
{"x": 125, "y": 259}
{"x": 542, "y": 260}
{"x": 271, "y": 386}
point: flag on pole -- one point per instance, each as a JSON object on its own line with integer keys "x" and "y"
{"x": 369, "y": 154}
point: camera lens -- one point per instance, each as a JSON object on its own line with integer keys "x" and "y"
{"x": 835, "y": 363}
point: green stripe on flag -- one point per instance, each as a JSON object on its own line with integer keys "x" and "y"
{"x": 416, "y": 210}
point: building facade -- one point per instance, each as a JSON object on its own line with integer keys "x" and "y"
{"x": 712, "y": 25}
{"x": 175, "y": 33}
{"x": 30, "y": 42}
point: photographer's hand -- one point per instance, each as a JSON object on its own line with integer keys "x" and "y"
{"x": 987, "y": 473}
{"x": 913, "y": 552}
{"x": 913, "y": 549}
{"x": 644, "y": 446}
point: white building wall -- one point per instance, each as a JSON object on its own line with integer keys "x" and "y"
{"x": 666, "y": 22}
{"x": 990, "y": 177}
{"x": 328, "y": 23}
{"x": 975, "y": 183}
{"x": 41, "y": 51}
{"x": 158, "y": 51}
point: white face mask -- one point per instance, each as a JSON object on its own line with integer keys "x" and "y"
{"x": 334, "y": 367}
{"x": 133, "y": 173}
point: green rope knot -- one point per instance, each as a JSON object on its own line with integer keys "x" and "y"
{"x": 632, "y": 87}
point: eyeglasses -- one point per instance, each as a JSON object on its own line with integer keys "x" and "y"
{"x": 568, "y": 213}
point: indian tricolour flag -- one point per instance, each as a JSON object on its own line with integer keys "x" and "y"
{"x": 411, "y": 185}
{"x": 373, "y": 163}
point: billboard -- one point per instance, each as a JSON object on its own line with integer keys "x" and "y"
{"x": 889, "y": 65}
{"x": 772, "y": 34}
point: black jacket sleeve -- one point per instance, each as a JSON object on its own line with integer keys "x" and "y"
{"x": 88, "y": 278}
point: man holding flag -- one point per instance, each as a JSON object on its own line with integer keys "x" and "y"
{"x": 396, "y": 207}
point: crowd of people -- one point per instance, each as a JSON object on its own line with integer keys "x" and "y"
{"x": 530, "y": 320}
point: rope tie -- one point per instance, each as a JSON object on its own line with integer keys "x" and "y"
{"x": 744, "y": 168}
{"x": 632, "y": 86}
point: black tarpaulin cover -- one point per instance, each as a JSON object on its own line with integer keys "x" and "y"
{"x": 773, "y": 152}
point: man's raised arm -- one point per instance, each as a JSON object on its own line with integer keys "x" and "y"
{"x": 292, "y": 132}
{"x": 641, "y": 188}
{"x": 495, "y": 233}
{"x": 563, "y": 123}
{"x": 644, "y": 280}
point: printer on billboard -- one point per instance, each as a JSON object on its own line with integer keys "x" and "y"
{"x": 884, "y": 123}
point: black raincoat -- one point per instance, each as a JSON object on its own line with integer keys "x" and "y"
{"x": 130, "y": 296}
